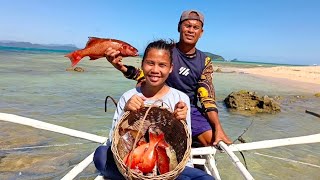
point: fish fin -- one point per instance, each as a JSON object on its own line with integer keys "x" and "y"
{"x": 93, "y": 58}
{"x": 155, "y": 138}
{"x": 142, "y": 141}
{"x": 74, "y": 58}
{"x": 171, "y": 153}
{"x": 163, "y": 143}
{"x": 92, "y": 40}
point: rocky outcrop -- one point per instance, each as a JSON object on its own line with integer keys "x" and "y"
{"x": 250, "y": 101}
{"x": 77, "y": 69}
{"x": 218, "y": 70}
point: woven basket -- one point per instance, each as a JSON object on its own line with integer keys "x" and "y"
{"x": 176, "y": 134}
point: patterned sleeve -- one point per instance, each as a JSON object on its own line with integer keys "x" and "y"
{"x": 134, "y": 73}
{"x": 206, "y": 92}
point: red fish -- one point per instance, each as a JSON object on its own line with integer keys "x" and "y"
{"x": 96, "y": 48}
{"x": 144, "y": 157}
{"x": 163, "y": 160}
{"x": 134, "y": 157}
{"x": 167, "y": 159}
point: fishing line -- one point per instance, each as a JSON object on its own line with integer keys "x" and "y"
{"x": 243, "y": 141}
{"x": 289, "y": 160}
{"x": 240, "y": 137}
{"x": 44, "y": 146}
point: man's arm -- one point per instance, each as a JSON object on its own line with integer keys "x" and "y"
{"x": 129, "y": 72}
{"x": 133, "y": 73}
{"x": 206, "y": 94}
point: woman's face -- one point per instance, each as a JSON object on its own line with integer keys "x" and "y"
{"x": 156, "y": 67}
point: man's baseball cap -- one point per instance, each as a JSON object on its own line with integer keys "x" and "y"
{"x": 189, "y": 14}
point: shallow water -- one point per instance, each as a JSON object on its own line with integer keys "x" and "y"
{"x": 36, "y": 85}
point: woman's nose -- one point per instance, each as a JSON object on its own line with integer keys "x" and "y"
{"x": 155, "y": 69}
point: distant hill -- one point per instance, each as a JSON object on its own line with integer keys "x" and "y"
{"x": 67, "y": 47}
{"x": 214, "y": 57}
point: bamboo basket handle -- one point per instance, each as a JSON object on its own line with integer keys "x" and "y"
{"x": 139, "y": 131}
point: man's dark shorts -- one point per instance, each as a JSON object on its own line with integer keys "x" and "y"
{"x": 199, "y": 123}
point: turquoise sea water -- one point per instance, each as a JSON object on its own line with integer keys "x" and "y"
{"x": 35, "y": 84}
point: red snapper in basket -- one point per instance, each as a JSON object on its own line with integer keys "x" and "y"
{"x": 144, "y": 157}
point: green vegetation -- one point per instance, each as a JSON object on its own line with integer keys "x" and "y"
{"x": 214, "y": 57}
{"x": 69, "y": 47}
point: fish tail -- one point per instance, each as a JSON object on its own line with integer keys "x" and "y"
{"x": 74, "y": 57}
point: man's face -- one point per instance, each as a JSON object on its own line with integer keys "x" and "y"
{"x": 190, "y": 31}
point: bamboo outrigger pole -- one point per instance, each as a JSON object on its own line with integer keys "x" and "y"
{"x": 236, "y": 161}
{"x": 51, "y": 127}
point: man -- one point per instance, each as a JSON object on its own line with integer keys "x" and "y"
{"x": 192, "y": 74}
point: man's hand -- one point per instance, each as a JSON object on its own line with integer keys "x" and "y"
{"x": 135, "y": 103}
{"x": 115, "y": 59}
{"x": 180, "y": 111}
{"x": 220, "y": 135}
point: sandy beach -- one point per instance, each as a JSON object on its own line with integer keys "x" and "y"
{"x": 304, "y": 75}
{"x": 308, "y": 76}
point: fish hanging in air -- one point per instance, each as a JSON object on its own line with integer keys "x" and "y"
{"x": 96, "y": 48}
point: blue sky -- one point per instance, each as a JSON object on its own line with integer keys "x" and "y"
{"x": 278, "y": 31}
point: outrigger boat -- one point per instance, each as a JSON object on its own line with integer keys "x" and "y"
{"x": 206, "y": 154}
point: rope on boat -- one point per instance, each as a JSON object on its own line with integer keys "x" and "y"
{"x": 313, "y": 113}
{"x": 244, "y": 131}
{"x": 105, "y": 102}
{"x": 288, "y": 160}
{"x": 240, "y": 139}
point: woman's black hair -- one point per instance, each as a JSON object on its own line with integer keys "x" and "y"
{"x": 160, "y": 44}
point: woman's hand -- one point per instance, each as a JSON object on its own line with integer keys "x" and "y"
{"x": 180, "y": 111}
{"x": 135, "y": 103}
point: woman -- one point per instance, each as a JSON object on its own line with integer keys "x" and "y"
{"x": 156, "y": 66}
